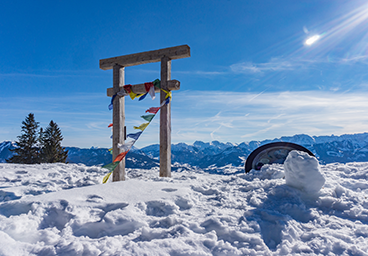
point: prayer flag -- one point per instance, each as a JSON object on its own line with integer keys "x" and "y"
{"x": 141, "y": 127}
{"x": 152, "y": 110}
{"x": 142, "y": 97}
{"x": 148, "y": 86}
{"x": 109, "y": 125}
{"x": 134, "y": 95}
{"x": 148, "y": 118}
{"x": 111, "y": 166}
{"x": 165, "y": 102}
{"x": 157, "y": 83}
{"x": 120, "y": 156}
{"x": 134, "y": 136}
{"x": 112, "y": 101}
{"x": 126, "y": 146}
{"x": 168, "y": 93}
{"x": 128, "y": 88}
{"x": 106, "y": 178}
{"x": 123, "y": 92}
{"x": 151, "y": 92}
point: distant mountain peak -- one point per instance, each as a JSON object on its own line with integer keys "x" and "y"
{"x": 344, "y": 148}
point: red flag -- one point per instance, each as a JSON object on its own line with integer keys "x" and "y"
{"x": 109, "y": 125}
{"x": 153, "y": 110}
{"x": 148, "y": 86}
{"x": 128, "y": 88}
{"x": 121, "y": 156}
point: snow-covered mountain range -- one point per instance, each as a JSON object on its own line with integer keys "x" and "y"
{"x": 328, "y": 149}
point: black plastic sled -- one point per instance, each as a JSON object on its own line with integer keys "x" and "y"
{"x": 275, "y": 152}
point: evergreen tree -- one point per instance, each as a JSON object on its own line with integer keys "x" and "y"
{"x": 51, "y": 149}
{"x": 27, "y": 151}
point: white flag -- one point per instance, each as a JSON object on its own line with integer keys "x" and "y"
{"x": 152, "y": 92}
{"x": 125, "y": 147}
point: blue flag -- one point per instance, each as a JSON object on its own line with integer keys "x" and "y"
{"x": 134, "y": 136}
{"x": 112, "y": 100}
{"x": 142, "y": 97}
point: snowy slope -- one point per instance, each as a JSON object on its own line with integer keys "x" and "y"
{"x": 62, "y": 209}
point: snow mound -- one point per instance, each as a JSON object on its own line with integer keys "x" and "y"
{"x": 302, "y": 171}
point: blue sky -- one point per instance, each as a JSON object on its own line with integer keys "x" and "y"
{"x": 251, "y": 74}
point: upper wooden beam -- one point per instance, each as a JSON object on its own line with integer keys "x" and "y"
{"x": 177, "y": 52}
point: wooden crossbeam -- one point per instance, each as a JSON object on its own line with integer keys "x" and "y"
{"x": 173, "y": 85}
{"x": 173, "y": 53}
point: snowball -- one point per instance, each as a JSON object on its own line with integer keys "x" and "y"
{"x": 302, "y": 171}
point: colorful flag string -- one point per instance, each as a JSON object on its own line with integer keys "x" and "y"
{"x": 126, "y": 147}
{"x": 127, "y": 90}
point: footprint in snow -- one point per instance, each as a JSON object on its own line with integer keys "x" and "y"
{"x": 169, "y": 189}
{"x": 94, "y": 199}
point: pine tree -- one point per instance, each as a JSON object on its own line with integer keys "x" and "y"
{"x": 27, "y": 151}
{"x": 51, "y": 149}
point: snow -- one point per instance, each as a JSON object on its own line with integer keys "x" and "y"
{"x": 302, "y": 171}
{"x": 63, "y": 209}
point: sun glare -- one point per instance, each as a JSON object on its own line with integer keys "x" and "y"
{"x": 311, "y": 40}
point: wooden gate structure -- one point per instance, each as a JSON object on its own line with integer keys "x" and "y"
{"x": 118, "y": 64}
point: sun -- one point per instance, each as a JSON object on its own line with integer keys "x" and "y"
{"x": 311, "y": 40}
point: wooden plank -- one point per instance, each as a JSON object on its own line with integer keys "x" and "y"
{"x": 118, "y": 123}
{"x": 173, "y": 85}
{"x": 177, "y": 52}
{"x": 165, "y": 121}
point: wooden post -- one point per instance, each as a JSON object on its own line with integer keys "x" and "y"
{"x": 118, "y": 121}
{"x": 165, "y": 121}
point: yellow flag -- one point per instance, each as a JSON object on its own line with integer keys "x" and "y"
{"x": 106, "y": 178}
{"x": 168, "y": 94}
{"x": 141, "y": 127}
{"x": 134, "y": 95}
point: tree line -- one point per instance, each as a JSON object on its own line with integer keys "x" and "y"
{"x": 36, "y": 145}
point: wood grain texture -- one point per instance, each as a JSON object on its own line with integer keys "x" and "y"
{"x": 118, "y": 123}
{"x": 165, "y": 121}
{"x": 177, "y": 52}
{"x": 173, "y": 85}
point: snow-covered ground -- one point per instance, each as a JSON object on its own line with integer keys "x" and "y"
{"x": 63, "y": 209}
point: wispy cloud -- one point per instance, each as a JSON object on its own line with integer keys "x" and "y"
{"x": 272, "y": 115}
{"x": 203, "y": 73}
{"x": 274, "y": 64}
{"x": 200, "y": 115}
{"x": 354, "y": 59}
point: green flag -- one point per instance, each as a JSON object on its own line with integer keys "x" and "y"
{"x": 157, "y": 83}
{"x": 111, "y": 167}
{"x": 148, "y": 118}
